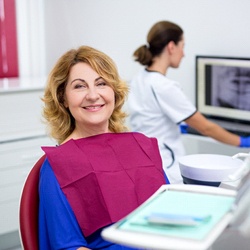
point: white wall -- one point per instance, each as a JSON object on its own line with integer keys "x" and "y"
{"x": 212, "y": 27}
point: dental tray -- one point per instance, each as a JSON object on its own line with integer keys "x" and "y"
{"x": 176, "y": 217}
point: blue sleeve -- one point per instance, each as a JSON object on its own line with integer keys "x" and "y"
{"x": 166, "y": 178}
{"x": 58, "y": 227}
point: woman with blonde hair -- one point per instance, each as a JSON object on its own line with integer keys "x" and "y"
{"x": 60, "y": 120}
{"x": 99, "y": 172}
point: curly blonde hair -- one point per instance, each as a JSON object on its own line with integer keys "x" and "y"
{"x": 58, "y": 118}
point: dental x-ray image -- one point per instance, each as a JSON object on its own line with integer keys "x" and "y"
{"x": 231, "y": 87}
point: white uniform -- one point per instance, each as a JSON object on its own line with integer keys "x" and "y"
{"x": 156, "y": 106}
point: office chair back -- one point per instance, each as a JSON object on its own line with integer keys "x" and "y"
{"x": 28, "y": 211}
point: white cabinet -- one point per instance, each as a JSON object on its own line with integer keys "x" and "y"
{"x": 22, "y": 134}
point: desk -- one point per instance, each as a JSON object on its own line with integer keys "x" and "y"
{"x": 196, "y": 144}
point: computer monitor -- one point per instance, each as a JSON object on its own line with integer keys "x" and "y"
{"x": 223, "y": 88}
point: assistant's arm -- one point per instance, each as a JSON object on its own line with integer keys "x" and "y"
{"x": 208, "y": 128}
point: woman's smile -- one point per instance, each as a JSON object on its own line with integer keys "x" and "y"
{"x": 94, "y": 107}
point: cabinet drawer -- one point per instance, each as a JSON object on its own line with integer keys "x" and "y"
{"x": 9, "y": 214}
{"x": 16, "y": 160}
{"x": 22, "y": 115}
{"x": 21, "y": 152}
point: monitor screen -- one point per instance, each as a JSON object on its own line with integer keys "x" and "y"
{"x": 223, "y": 87}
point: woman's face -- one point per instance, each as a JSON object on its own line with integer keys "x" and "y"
{"x": 178, "y": 54}
{"x": 89, "y": 98}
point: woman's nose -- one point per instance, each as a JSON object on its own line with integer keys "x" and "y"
{"x": 92, "y": 94}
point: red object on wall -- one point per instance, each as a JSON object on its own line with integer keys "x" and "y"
{"x": 8, "y": 42}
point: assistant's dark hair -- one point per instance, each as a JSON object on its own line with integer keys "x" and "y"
{"x": 158, "y": 37}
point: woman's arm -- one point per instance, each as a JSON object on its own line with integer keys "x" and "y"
{"x": 208, "y": 128}
{"x": 58, "y": 227}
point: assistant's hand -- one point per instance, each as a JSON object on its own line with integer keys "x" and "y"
{"x": 244, "y": 142}
{"x": 183, "y": 128}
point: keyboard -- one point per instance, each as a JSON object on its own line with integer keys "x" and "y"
{"x": 240, "y": 133}
{"x": 235, "y": 128}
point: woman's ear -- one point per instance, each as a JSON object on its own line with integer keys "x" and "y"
{"x": 171, "y": 47}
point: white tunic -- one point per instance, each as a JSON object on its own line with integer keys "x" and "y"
{"x": 156, "y": 106}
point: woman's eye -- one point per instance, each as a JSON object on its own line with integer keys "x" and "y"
{"x": 101, "y": 84}
{"x": 78, "y": 86}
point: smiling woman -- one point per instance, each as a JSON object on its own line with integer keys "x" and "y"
{"x": 99, "y": 172}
